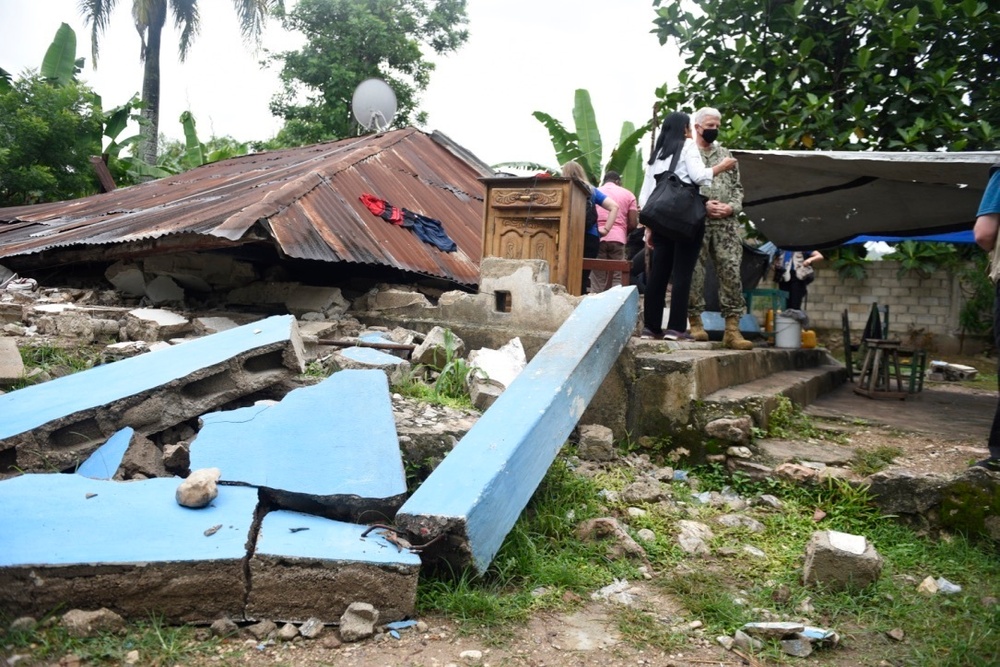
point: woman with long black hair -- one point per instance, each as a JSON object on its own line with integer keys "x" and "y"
{"x": 671, "y": 258}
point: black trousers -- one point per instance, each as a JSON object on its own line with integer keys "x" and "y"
{"x": 796, "y": 293}
{"x": 994, "y": 441}
{"x": 591, "y": 246}
{"x": 671, "y": 261}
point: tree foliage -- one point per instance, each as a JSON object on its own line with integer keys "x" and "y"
{"x": 150, "y": 16}
{"x": 348, "y": 41}
{"x": 840, "y": 74}
{"x": 47, "y": 135}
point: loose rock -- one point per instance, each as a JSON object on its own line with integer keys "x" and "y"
{"x": 358, "y": 622}
{"x": 199, "y": 489}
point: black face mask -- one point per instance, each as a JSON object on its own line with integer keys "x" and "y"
{"x": 709, "y": 135}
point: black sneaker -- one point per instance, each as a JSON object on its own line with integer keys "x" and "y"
{"x": 989, "y": 464}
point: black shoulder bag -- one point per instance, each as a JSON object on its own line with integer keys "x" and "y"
{"x": 675, "y": 209}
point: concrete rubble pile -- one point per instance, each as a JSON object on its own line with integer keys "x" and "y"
{"x": 220, "y": 398}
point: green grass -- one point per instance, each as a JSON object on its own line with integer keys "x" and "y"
{"x": 869, "y": 462}
{"x": 55, "y": 361}
{"x": 158, "y": 644}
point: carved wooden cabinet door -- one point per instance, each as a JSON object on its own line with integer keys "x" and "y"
{"x": 528, "y": 218}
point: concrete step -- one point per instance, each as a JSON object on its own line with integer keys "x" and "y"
{"x": 676, "y": 388}
{"x": 759, "y": 397}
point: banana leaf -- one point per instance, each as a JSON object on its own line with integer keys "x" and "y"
{"x": 626, "y": 159}
{"x": 587, "y": 134}
{"x": 60, "y": 61}
{"x": 194, "y": 156}
{"x": 564, "y": 143}
{"x": 525, "y": 166}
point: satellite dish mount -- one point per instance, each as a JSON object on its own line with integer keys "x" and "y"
{"x": 374, "y": 105}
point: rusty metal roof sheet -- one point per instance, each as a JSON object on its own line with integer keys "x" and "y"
{"x": 305, "y": 200}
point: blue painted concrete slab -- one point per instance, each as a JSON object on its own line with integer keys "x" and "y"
{"x": 297, "y": 535}
{"x": 482, "y": 486}
{"x": 48, "y": 519}
{"x": 31, "y": 407}
{"x": 370, "y": 356}
{"x": 306, "y": 566}
{"x": 104, "y": 462}
{"x": 333, "y": 443}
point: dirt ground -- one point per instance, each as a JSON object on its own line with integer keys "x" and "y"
{"x": 941, "y": 429}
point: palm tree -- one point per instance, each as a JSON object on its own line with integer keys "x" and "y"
{"x": 150, "y": 16}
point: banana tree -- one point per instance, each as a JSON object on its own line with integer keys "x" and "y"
{"x": 584, "y": 145}
{"x": 60, "y": 65}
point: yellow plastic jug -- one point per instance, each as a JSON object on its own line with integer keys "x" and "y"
{"x": 808, "y": 338}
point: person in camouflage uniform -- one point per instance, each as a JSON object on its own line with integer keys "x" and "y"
{"x": 723, "y": 242}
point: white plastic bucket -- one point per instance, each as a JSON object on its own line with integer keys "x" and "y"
{"x": 787, "y": 332}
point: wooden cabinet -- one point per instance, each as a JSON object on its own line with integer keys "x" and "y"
{"x": 538, "y": 218}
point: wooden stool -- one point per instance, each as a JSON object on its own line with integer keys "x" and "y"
{"x": 880, "y": 366}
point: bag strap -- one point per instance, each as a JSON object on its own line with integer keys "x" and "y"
{"x": 677, "y": 156}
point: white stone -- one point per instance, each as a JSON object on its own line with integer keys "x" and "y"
{"x": 855, "y": 544}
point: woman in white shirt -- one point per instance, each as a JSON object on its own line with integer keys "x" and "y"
{"x": 670, "y": 257}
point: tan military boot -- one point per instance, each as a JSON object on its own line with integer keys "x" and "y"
{"x": 733, "y": 339}
{"x": 697, "y": 330}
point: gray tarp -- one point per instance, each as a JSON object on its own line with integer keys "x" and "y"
{"x": 816, "y": 199}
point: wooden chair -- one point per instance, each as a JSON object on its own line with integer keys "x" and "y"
{"x": 850, "y": 348}
{"x": 912, "y": 362}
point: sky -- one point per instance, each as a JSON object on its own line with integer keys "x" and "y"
{"x": 521, "y": 56}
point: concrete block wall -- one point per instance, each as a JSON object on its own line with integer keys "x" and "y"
{"x": 922, "y": 311}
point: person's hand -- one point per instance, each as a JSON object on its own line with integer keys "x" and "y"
{"x": 647, "y": 237}
{"x": 728, "y": 163}
{"x": 717, "y": 209}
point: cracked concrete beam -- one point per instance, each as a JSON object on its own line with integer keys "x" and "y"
{"x": 329, "y": 449}
{"x": 69, "y": 541}
{"x": 306, "y": 566}
{"x": 56, "y": 424}
{"x": 471, "y": 501}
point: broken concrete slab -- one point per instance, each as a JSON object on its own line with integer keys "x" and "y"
{"x": 163, "y": 289}
{"x": 439, "y": 347}
{"x": 201, "y": 272}
{"x": 104, "y": 462}
{"x": 155, "y": 324}
{"x": 11, "y": 364}
{"x": 780, "y": 451}
{"x": 306, "y": 566}
{"x": 367, "y": 358}
{"x": 329, "y": 449}
{"x": 127, "y": 278}
{"x": 56, "y": 424}
{"x": 125, "y": 546}
{"x": 477, "y": 492}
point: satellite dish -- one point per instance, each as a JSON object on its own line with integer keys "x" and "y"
{"x": 374, "y": 104}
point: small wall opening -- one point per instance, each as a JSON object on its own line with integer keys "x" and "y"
{"x": 264, "y": 363}
{"x": 209, "y": 386}
{"x": 503, "y": 301}
{"x": 80, "y": 433}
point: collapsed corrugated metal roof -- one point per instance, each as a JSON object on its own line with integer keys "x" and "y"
{"x": 303, "y": 200}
